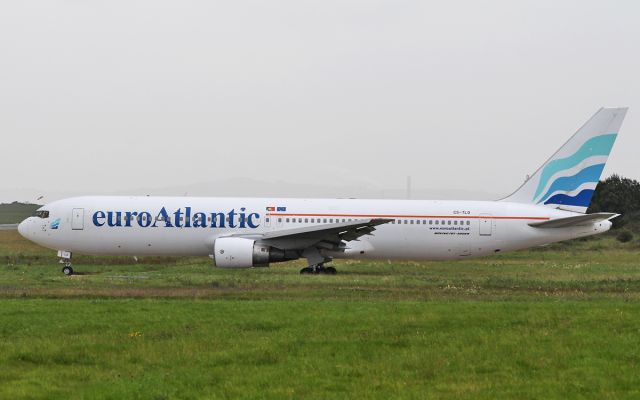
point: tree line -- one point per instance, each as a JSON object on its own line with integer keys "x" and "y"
{"x": 619, "y": 195}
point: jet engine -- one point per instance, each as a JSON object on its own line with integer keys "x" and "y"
{"x": 233, "y": 252}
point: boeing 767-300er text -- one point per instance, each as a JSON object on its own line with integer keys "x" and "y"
{"x": 253, "y": 232}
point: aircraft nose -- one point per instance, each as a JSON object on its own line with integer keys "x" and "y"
{"x": 22, "y": 228}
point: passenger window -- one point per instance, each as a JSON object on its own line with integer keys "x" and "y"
{"x": 437, "y": 222}
{"x": 468, "y": 222}
{"x": 279, "y": 220}
{"x": 411, "y": 222}
{"x": 306, "y": 220}
{"x": 267, "y": 220}
{"x": 324, "y": 221}
{"x": 287, "y": 220}
{"x": 455, "y": 222}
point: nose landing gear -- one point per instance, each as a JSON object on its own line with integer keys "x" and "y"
{"x": 65, "y": 259}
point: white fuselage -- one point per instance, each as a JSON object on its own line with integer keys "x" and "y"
{"x": 420, "y": 230}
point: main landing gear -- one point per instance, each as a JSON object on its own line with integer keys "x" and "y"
{"x": 318, "y": 269}
{"x": 65, "y": 259}
{"x": 316, "y": 262}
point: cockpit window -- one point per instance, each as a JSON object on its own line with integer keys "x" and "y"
{"x": 41, "y": 214}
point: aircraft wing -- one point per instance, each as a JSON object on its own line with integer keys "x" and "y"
{"x": 327, "y": 236}
{"x": 583, "y": 219}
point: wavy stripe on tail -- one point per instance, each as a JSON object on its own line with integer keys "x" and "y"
{"x": 577, "y": 165}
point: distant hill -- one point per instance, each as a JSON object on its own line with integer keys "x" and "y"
{"x": 15, "y": 212}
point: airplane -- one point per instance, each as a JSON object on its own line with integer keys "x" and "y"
{"x": 550, "y": 206}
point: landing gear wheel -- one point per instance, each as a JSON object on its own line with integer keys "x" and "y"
{"x": 318, "y": 269}
{"x": 67, "y": 270}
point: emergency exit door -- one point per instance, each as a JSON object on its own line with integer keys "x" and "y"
{"x": 77, "y": 219}
{"x": 486, "y": 225}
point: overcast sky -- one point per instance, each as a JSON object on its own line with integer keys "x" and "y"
{"x": 112, "y": 96}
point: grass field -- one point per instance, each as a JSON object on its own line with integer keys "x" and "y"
{"x": 563, "y": 322}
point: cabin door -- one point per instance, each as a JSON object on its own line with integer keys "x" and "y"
{"x": 486, "y": 225}
{"x": 77, "y": 219}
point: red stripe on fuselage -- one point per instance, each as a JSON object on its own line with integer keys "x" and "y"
{"x": 406, "y": 216}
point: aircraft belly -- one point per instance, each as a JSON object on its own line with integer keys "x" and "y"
{"x": 420, "y": 244}
{"x": 180, "y": 242}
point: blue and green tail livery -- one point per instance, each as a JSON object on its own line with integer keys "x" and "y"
{"x": 569, "y": 178}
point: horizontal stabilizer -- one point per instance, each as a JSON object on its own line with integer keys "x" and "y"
{"x": 576, "y": 220}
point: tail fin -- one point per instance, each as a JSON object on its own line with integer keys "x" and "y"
{"x": 568, "y": 179}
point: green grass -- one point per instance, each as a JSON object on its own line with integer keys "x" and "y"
{"x": 562, "y": 322}
{"x": 311, "y": 349}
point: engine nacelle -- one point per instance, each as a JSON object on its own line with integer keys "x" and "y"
{"x": 233, "y": 252}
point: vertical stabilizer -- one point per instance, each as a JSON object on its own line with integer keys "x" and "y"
{"x": 568, "y": 179}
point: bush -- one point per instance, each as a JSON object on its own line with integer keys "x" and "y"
{"x": 624, "y": 236}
